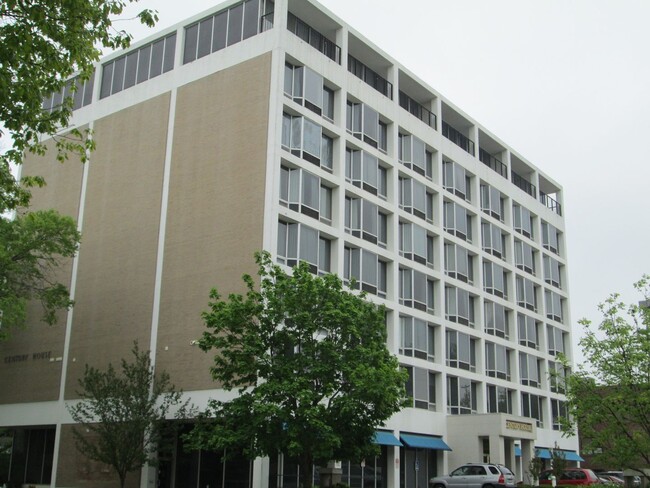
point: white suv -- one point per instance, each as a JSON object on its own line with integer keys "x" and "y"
{"x": 476, "y": 475}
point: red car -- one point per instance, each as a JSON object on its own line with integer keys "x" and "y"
{"x": 570, "y": 476}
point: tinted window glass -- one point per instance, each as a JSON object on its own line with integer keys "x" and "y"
{"x": 235, "y": 24}
{"x": 170, "y": 50}
{"x": 191, "y": 39}
{"x": 143, "y": 64}
{"x": 220, "y": 30}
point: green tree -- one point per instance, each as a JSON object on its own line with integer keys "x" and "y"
{"x": 310, "y": 363}
{"x": 43, "y": 43}
{"x": 558, "y": 463}
{"x": 125, "y": 413}
{"x": 32, "y": 246}
{"x": 609, "y": 397}
{"x": 535, "y": 468}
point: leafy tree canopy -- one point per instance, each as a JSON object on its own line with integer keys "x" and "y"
{"x": 609, "y": 398}
{"x": 31, "y": 246}
{"x": 42, "y": 43}
{"x": 125, "y": 413}
{"x": 310, "y": 364}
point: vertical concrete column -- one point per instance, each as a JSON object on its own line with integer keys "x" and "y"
{"x": 497, "y": 454}
{"x": 527, "y": 454}
{"x": 393, "y": 465}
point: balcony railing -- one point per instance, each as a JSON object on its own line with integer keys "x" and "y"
{"x": 314, "y": 38}
{"x": 550, "y": 202}
{"x": 524, "y": 184}
{"x": 414, "y": 108}
{"x": 266, "y": 22}
{"x": 372, "y": 78}
{"x": 492, "y": 162}
{"x": 457, "y": 138}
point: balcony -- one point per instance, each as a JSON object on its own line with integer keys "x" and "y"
{"x": 492, "y": 162}
{"x": 550, "y": 203}
{"x": 523, "y": 184}
{"x": 314, "y": 38}
{"x": 414, "y": 108}
{"x": 363, "y": 72}
{"x": 457, "y": 138}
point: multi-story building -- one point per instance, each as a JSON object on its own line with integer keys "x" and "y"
{"x": 260, "y": 125}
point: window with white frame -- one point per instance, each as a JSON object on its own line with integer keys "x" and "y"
{"x": 417, "y": 338}
{"x": 365, "y": 220}
{"x": 492, "y": 202}
{"x": 415, "y": 243}
{"x": 493, "y": 240}
{"x": 305, "y": 192}
{"x": 416, "y": 289}
{"x": 461, "y": 396}
{"x": 456, "y": 180}
{"x": 306, "y": 139}
{"x": 528, "y": 328}
{"x": 556, "y": 376}
{"x": 413, "y": 153}
{"x": 522, "y": 220}
{"x": 363, "y": 170}
{"x": 552, "y": 273}
{"x": 532, "y": 406}
{"x": 524, "y": 257}
{"x": 415, "y": 198}
{"x": 461, "y": 350}
{"x": 459, "y": 263}
{"x": 529, "y": 370}
{"x": 421, "y": 387}
{"x": 457, "y": 221}
{"x": 497, "y": 361}
{"x": 306, "y": 87}
{"x": 553, "y": 306}
{"x": 459, "y": 306}
{"x": 363, "y": 123}
{"x": 526, "y": 293}
{"x": 496, "y": 318}
{"x": 558, "y": 412}
{"x": 366, "y": 269}
{"x": 551, "y": 238}
{"x": 299, "y": 242}
{"x": 555, "y": 337}
{"x": 495, "y": 279}
{"x": 499, "y": 399}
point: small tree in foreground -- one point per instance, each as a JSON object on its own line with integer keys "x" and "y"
{"x": 125, "y": 413}
{"x": 535, "y": 468}
{"x": 310, "y": 363}
{"x": 609, "y": 398}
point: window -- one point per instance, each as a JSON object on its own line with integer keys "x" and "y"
{"x": 82, "y": 96}
{"x": 457, "y": 221}
{"x": 138, "y": 66}
{"x": 497, "y": 361}
{"x": 524, "y": 257}
{"x": 459, "y": 263}
{"x": 558, "y": 412}
{"x": 305, "y": 87}
{"x": 553, "y": 306}
{"x": 551, "y": 238}
{"x": 413, "y": 154}
{"x": 301, "y": 242}
{"x": 415, "y": 243}
{"x": 493, "y": 240}
{"x": 456, "y": 180}
{"x": 364, "y": 219}
{"x": 494, "y": 279}
{"x": 366, "y": 268}
{"x": 522, "y": 220}
{"x": 461, "y": 396}
{"x": 421, "y": 387}
{"x": 417, "y": 338}
{"x": 529, "y": 370}
{"x": 492, "y": 202}
{"x": 364, "y": 124}
{"x": 304, "y": 192}
{"x": 496, "y": 320}
{"x": 532, "y": 406}
{"x": 555, "y": 337}
{"x": 363, "y": 170}
{"x": 306, "y": 140}
{"x": 461, "y": 350}
{"x": 528, "y": 331}
{"x": 415, "y": 289}
{"x": 526, "y": 293}
{"x": 556, "y": 375}
{"x": 499, "y": 399}
{"x": 415, "y": 198}
{"x": 459, "y": 306}
{"x": 552, "y": 273}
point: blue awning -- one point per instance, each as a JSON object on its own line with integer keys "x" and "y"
{"x": 517, "y": 451}
{"x": 572, "y": 456}
{"x": 386, "y": 439}
{"x": 542, "y": 453}
{"x": 425, "y": 442}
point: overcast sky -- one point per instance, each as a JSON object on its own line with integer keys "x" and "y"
{"x": 566, "y": 83}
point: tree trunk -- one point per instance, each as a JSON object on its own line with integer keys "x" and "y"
{"x": 306, "y": 470}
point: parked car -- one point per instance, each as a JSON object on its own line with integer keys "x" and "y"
{"x": 636, "y": 480}
{"x": 570, "y": 476}
{"x": 476, "y": 475}
{"x": 608, "y": 479}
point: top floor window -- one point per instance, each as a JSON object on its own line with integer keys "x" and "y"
{"x": 314, "y": 38}
{"x": 414, "y": 155}
{"x": 82, "y": 96}
{"x": 304, "y": 86}
{"x": 522, "y": 220}
{"x": 363, "y": 123}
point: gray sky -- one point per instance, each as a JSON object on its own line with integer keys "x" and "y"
{"x": 566, "y": 83}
